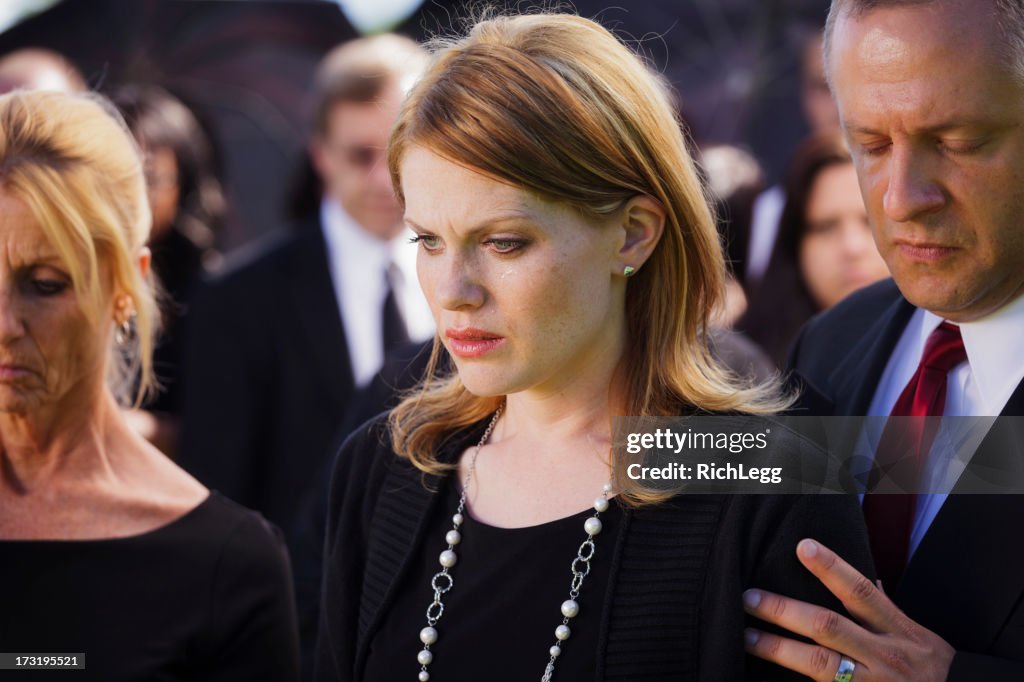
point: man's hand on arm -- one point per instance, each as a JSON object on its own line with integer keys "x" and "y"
{"x": 883, "y": 642}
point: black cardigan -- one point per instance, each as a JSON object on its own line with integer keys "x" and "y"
{"x": 673, "y": 607}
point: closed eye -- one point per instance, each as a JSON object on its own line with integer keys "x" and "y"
{"x": 961, "y": 146}
{"x": 49, "y": 287}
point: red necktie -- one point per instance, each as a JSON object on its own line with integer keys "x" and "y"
{"x": 903, "y": 449}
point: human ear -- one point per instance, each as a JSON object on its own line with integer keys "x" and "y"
{"x": 642, "y": 224}
{"x": 318, "y": 155}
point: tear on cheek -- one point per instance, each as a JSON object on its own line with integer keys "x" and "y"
{"x": 506, "y": 274}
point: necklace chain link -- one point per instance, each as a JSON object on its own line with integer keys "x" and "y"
{"x": 443, "y": 582}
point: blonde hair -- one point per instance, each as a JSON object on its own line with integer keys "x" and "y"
{"x": 556, "y": 105}
{"x": 71, "y": 159}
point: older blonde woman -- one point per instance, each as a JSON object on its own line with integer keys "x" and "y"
{"x": 111, "y": 554}
{"x": 571, "y": 263}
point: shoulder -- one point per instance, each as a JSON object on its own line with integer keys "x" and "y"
{"x": 360, "y": 468}
{"x": 252, "y": 626}
{"x": 840, "y": 324}
{"x": 366, "y": 450}
{"x": 235, "y": 534}
{"x": 259, "y": 260}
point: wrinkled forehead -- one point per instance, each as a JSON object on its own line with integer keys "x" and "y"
{"x": 22, "y": 238}
{"x": 920, "y": 68}
{"x": 892, "y": 39}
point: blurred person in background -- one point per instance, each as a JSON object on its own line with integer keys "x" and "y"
{"x": 108, "y": 548}
{"x": 281, "y": 340}
{"x": 34, "y": 68}
{"x": 733, "y": 179}
{"x": 822, "y": 117}
{"x": 188, "y": 206}
{"x": 825, "y": 249}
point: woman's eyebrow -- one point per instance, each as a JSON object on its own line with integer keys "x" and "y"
{"x": 483, "y": 225}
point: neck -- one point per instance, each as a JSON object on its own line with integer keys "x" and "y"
{"x": 579, "y": 412}
{"x": 62, "y": 441}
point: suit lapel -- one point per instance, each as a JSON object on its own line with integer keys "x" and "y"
{"x": 311, "y": 296}
{"x": 858, "y": 375}
{"x": 970, "y": 532}
{"x": 967, "y": 537}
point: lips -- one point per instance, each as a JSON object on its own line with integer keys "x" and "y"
{"x": 924, "y": 252}
{"x": 469, "y": 342}
{"x": 11, "y": 372}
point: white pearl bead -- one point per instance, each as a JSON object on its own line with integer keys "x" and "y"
{"x": 607, "y": 487}
{"x": 424, "y": 676}
{"x": 601, "y": 504}
{"x": 562, "y": 633}
{"x": 425, "y": 657}
{"x": 592, "y": 526}
{"x": 555, "y": 650}
{"x": 453, "y": 537}
{"x": 570, "y": 608}
{"x": 448, "y": 558}
{"x": 457, "y": 519}
{"x": 428, "y": 635}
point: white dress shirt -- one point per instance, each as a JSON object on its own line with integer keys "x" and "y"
{"x": 764, "y": 230}
{"x": 359, "y": 263}
{"x": 979, "y": 387}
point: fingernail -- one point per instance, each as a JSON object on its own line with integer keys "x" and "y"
{"x": 751, "y": 636}
{"x": 752, "y": 598}
{"x": 809, "y": 548}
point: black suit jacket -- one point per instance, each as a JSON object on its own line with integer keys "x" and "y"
{"x": 268, "y": 375}
{"x": 966, "y": 579}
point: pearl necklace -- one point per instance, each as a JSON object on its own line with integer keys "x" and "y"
{"x": 442, "y": 581}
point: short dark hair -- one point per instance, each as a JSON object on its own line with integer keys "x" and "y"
{"x": 360, "y": 70}
{"x": 157, "y": 119}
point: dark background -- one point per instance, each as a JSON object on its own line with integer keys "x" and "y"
{"x": 245, "y": 66}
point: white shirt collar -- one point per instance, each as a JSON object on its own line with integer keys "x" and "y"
{"x": 993, "y": 346}
{"x": 358, "y": 262}
{"x": 354, "y": 246}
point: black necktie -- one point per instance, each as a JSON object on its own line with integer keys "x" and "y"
{"x": 395, "y": 332}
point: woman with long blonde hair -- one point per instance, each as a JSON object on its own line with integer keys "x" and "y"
{"x": 114, "y": 560}
{"x": 571, "y": 262}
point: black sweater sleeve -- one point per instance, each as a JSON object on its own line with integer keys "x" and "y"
{"x": 252, "y": 613}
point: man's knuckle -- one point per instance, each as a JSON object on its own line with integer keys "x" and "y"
{"x": 896, "y": 660}
{"x": 776, "y": 607}
{"x": 863, "y": 589}
{"x": 826, "y": 623}
{"x": 771, "y": 647}
{"x": 821, "y": 661}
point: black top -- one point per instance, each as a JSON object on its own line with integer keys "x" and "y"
{"x": 498, "y": 610}
{"x": 671, "y": 608}
{"x": 205, "y": 597}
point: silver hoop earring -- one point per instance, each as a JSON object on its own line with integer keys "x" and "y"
{"x": 126, "y": 331}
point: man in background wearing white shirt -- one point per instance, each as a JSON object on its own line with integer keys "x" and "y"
{"x": 281, "y": 340}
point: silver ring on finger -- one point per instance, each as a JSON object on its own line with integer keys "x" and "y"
{"x": 846, "y": 668}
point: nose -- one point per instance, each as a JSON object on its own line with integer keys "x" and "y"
{"x": 12, "y": 325}
{"x": 453, "y": 280}
{"x": 912, "y": 191}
